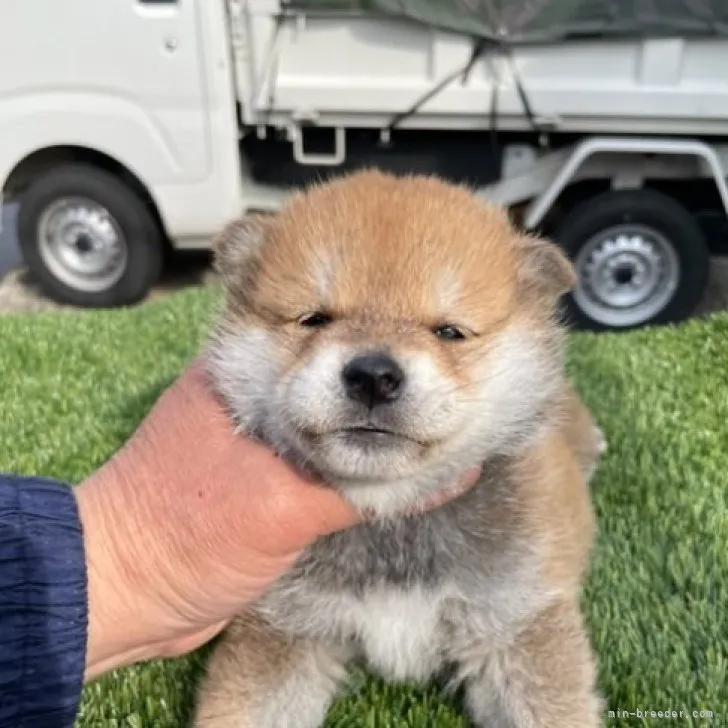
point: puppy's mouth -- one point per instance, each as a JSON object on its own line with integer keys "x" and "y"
{"x": 369, "y": 436}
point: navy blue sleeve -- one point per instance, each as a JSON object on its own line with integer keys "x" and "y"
{"x": 43, "y": 604}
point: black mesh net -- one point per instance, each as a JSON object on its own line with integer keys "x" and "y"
{"x": 521, "y": 21}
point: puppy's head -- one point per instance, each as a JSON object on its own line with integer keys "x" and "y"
{"x": 388, "y": 333}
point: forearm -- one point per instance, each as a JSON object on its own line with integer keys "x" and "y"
{"x": 43, "y": 604}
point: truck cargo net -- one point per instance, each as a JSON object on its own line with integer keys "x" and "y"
{"x": 539, "y": 21}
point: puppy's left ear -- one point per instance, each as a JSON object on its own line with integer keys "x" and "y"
{"x": 239, "y": 243}
{"x": 544, "y": 268}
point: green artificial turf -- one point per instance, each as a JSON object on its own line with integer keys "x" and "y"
{"x": 73, "y": 386}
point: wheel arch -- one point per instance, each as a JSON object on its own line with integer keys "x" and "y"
{"x": 539, "y": 208}
{"x": 42, "y": 160}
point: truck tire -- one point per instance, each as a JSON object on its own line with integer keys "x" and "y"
{"x": 640, "y": 257}
{"x": 88, "y": 238}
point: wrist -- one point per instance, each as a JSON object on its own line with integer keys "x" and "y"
{"x": 119, "y": 612}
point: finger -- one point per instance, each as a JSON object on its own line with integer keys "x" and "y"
{"x": 333, "y": 513}
{"x": 329, "y": 511}
{"x": 466, "y": 482}
{"x": 195, "y": 382}
{"x": 187, "y": 642}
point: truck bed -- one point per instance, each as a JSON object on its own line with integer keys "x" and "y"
{"x": 353, "y": 71}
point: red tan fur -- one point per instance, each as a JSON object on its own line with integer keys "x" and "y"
{"x": 491, "y": 580}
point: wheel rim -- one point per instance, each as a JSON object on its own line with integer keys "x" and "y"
{"x": 82, "y": 244}
{"x": 627, "y": 275}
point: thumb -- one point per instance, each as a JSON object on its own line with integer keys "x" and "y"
{"x": 331, "y": 512}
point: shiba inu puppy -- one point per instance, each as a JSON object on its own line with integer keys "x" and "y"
{"x": 387, "y": 334}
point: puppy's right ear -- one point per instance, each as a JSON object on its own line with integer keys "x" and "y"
{"x": 545, "y": 268}
{"x": 237, "y": 249}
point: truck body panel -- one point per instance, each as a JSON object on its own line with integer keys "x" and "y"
{"x": 147, "y": 85}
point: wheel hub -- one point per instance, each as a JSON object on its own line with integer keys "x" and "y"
{"x": 82, "y": 244}
{"x": 627, "y": 274}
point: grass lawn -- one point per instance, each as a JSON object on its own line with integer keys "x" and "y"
{"x": 73, "y": 386}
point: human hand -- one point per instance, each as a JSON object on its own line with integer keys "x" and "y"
{"x": 188, "y": 523}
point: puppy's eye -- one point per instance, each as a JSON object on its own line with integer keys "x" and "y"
{"x": 315, "y": 320}
{"x": 449, "y": 332}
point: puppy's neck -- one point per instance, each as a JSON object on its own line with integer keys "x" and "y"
{"x": 387, "y": 500}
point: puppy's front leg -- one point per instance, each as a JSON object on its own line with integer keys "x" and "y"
{"x": 260, "y": 678}
{"x": 544, "y": 679}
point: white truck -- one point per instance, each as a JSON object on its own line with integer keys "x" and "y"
{"x": 133, "y": 128}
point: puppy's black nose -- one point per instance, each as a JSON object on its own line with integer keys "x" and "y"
{"x": 373, "y": 379}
